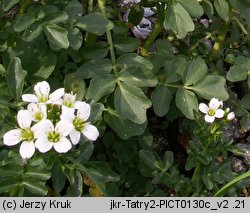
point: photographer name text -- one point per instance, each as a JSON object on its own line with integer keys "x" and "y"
{"x": 42, "y": 205}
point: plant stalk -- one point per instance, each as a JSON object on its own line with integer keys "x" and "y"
{"x": 155, "y": 32}
{"x": 101, "y": 5}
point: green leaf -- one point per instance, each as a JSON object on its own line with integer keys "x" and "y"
{"x": 35, "y": 186}
{"x": 131, "y": 103}
{"x": 7, "y": 4}
{"x": 96, "y": 112}
{"x": 74, "y": 9}
{"x": 124, "y": 128}
{"x": 132, "y": 60}
{"x": 58, "y": 177}
{"x": 138, "y": 77}
{"x": 126, "y": 44}
{"x": 126, "y": 150}
{"x": 2, "y": 70}
{"x": 135, "y": 14}
{"x": 95, "y": 68}
{"x": 96, "y": 51}
{"x": 178, "y": 20}
{"x": 38, "y": 173}
{"x": 94, "y": 23}
{"x": 212, "y": 86}
{"x": 221, "y": 192}
{"x": 193, "y": 7}
{"x": 47, "y": 65}
{"x": 186, "y": 101}
{"x": 76, "y": 187}
{"x": 207, "y": 179}
{"x": 136, "y": 70}
{"x": 73, "y": 83}
{"x": 101, "y": 171}
{"x": 10, "y": 170}
{"x": 101, "y": 86}
{"x": 32, "y": 32}
{"x": 57, "y": 17}
{"x": 245, "y": 101}
{"x": 208, "y": 8}
{"x": 97, "y": 173}
{"x": 151, "y": 159}
{"x": 86, "y": 150}
{"x": 222, "y": 8}
{"x": 168, "y": 160}
{"x": 195, "y": 71}
{"x": 161, "y": 98}
{"x": 237, "y": 73}
{"x": 56, "y": 35}
{"x": 174, "y": 69}
{"x": 75, "y": 38}
{"x": 9, "y": 184}
{"x": 15, "y": 76}
{"x": 23, "y": 22}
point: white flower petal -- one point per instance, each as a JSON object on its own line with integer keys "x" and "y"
{"x": 203, "y": 108}
{"x": 209, "y": 119}
{"x": 230, "y": 116}
{"x": 37, "y": 109}
{"x": 67, "y": 114}
{"x": 12, "y": 137}
{"x": 42, "y": 89}
{"x": 64, "y": 127}
{"x": 214, "y": 103}
{"x": 42, "y": 128}
{"x": 63, "y": 145}
{"x": 140, "y": 32}
{"x": 43, "y": 145}
{"x": 57, "y": 94}
{"x": 83, "y": 110}
{"x": 29, "y": 98}
{"x": 27, "y": 149}
{"x": 219, "y": 113}
{"x": 90, "y": 132}
{"x": 75, "y": 136}
{"x": 24, "y": 118}
{"x": 69, "y": 99}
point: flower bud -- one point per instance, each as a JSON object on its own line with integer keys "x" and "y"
{"x": 230, "y": 116}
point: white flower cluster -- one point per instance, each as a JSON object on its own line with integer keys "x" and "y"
{"x": 214, "y": 110}
{"x": 51, "y": 120}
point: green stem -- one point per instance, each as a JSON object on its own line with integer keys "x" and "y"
{"x": 155, "y": 32}
{"x": 90, "y": 38}
{"x": 171, "y": 85}
{"x": 101, "y": 5}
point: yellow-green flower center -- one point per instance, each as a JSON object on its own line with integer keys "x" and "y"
{"x": 68, "y": 103}
{"x": 78, "y": 124}
{"x": 39, "y": 116}
{"x": 54, "y": 137}
{"x": 27, "y": 134}
{"x": 211, "y": 112}
{"x": 43, "y": 98}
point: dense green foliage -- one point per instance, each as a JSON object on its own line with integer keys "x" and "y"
{"x": 86, "y": 47}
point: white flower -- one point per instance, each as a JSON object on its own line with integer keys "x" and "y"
{"x": 80, "y": 123}
{"x": 50, "y": 136}
{"x": 230, "y": 116}
{"x": 25, "y": 133}
{"x": 37, "y": 111}
{"x": 212, "y": 111}
{"x": 42, "y": 95}
{"x": 69, "y": 103}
